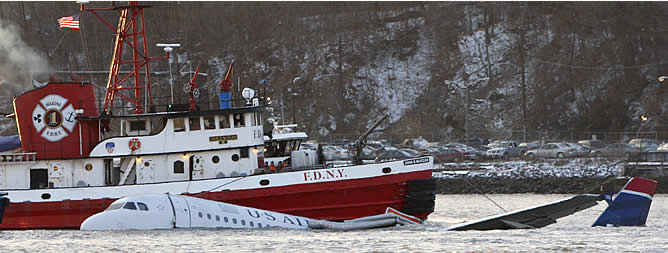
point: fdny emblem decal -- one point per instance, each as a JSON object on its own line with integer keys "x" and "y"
{"x": 53, "y": 118}
{"x": 110, "y": 147}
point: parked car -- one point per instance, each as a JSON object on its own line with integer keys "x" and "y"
{"x": 592, "y": 144}
{"x": 392, "y": 154}
{"x": 504, "y": 149}
{"x": 411, "y": 152}
{"x": 578, "y": 150}
{"x": 526, "y": 146}
{"x": 551, "y": 150}
{"x": 616, "y": 150}
{"x": 335, "y": 153}
{"x": 645, "y": 145}
{"x": 663, "y": 147}
{"x": 308, "y": 146}
{"x": 449, "y": 155}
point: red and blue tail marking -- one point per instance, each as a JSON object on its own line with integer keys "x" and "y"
{"x": 631, "y": 206}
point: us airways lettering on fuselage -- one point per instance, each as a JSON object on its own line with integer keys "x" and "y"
{"x": 276, "y": 217}
{"x": 416, "y": 161}
{"x": 324, "y": 174}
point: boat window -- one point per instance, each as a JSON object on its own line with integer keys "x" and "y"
{"x": 142, "y": 206}
{"x": 223, "y": 121}
{"x": 239, "y": 120}
{"x": 115, "y": 206}
{"x": 179, "y": 125}
{"x": 243, "y": 152}
{"x": 209, "y": 122}
{"x": 178, "y": 167}
{"x": 130, "y": 205}
{"x": 193, "y": 123}
{"x": 137, "y": 125}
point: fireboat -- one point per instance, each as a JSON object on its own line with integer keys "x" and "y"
{"x": 77, "y": 154}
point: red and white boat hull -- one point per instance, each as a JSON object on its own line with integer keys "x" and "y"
{"x": 340, "y": 193}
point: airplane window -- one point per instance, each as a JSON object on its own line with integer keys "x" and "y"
{"x": 250, "y": 223}
{"x": 142, "y": 206}
{"x": 225, "y": 219}
{"x": 208, "y": 215}
{"x": 200, "y": 214}
{"x": 259, "y": 225}
{"x": 130, "y": 205}
{"x": 243, "y": 222}
{"x": 115, "y": 206}
{"x": 234, "y": 220}
{"x": 217, "y": 218}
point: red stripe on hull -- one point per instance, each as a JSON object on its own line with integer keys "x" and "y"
{"x": 338, "y": 200}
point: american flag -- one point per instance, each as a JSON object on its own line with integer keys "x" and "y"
{"x": 71, "y": 22}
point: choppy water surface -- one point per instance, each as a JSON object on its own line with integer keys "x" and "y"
{"x": 569, "y": 234}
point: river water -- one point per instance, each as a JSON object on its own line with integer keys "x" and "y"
{"x": 573, "y": 233}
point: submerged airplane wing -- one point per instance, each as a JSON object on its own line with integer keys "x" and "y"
{"x": 533, "y": 217}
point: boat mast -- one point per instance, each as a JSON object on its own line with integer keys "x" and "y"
{"x": 129, "y": 32}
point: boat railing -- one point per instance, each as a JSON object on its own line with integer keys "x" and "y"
{"x": 17, "y": 157}
{"x": 205, "y": 102}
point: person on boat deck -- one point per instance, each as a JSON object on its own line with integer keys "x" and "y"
{"x": 272, "y": 167}
{"x": 279, "y": 167}
{"x": 266, "y": 164}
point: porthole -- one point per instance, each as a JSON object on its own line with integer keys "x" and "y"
{"x": 146, "y": 164}
{"x": 387, "y": 170}
{"x": 264, "y": 182}
{"x": 46, "y": 196}
{"x": 89, "y": 167}
{"x": 215, "y": 159}
{"x": 235, "y": 157}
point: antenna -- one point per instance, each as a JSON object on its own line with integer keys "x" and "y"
{"x": 168, "y": 49}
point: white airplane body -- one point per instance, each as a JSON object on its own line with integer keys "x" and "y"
{"x": 165, "y": 211}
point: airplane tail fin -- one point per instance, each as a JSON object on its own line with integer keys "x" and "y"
{"x": 631, "y": 206}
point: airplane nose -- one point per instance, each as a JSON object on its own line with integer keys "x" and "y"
{"x": 98, "y": 221}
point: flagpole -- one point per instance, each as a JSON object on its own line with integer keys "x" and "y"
{"x": 85, "y": 47}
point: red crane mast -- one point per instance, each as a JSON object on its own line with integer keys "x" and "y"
{"x": 130, "y": 34}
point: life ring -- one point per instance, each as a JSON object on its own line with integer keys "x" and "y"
{"x": 134, "y": 144}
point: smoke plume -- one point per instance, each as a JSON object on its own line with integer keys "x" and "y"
{"x": 19, "y": 63}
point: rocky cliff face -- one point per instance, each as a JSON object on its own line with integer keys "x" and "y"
{"x": 551, "y": 67}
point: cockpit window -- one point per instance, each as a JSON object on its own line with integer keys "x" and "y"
{"x": 142, "y": 206}
{"x": 114, "y": 206}
{"x": 130, "y": 205}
